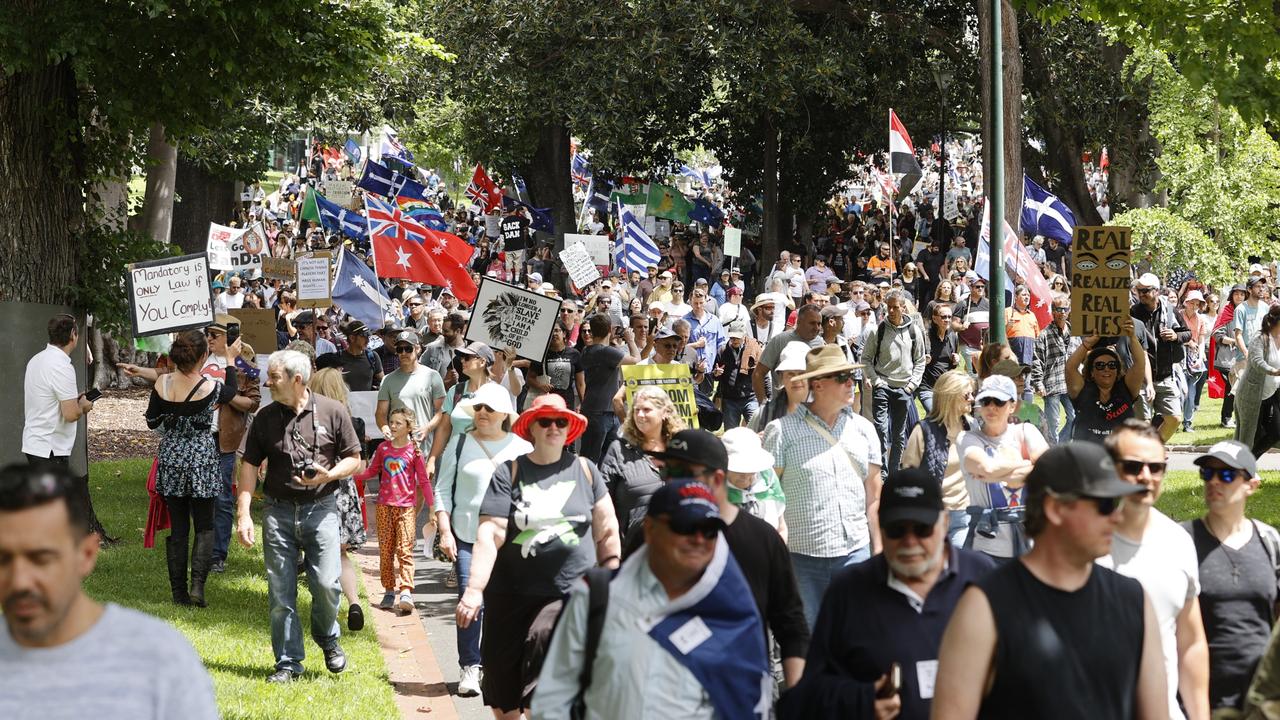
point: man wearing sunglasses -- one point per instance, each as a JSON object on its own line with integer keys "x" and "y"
{"x": 916, "y": 582}
{"x": 1163, "y": 332}
{"x": 1076, "y": 639}
{"x": 1152, "y": 549}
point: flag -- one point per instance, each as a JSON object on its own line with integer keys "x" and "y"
{"x": 902, "y": 156}
{"x": 517, "y": 183}
{"x": 706, "y": 213}
{"x": 483, "y": 191}
{"x": 397, "y": 239}
{"x": 452, "y": 256}
{"x": 1044, "y": 214}
{"x": 638, "y": 250}
{"x": 357, "y": 290}
{"x": 666, "y": 201}
{"x": 423, "y": 212}
{"x": 580, "y": 170}
{"x": 333, "y": 216}
{"x": 1104, "y": 162}
{"x": 392, "y": 148}
{"x": 1018, "y": 263}
{"x": 540, "y": 217}
{"x": 883, "y": 187}
{"x": 353, "y": 151}
{"x": 388, "y": 183}
{"x": 598, "y": 196}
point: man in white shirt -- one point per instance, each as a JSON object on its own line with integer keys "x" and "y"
{"x": 1152, "y": 549}
{"x": 51, "y": 403}
{"x": 234, "y": 298}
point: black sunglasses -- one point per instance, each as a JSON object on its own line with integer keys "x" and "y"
{"x": 899, "y": 530}
{"x": 708, "y": 530}
{"x": 1105, "y": 506}
{"x": 989, "y": 401}
{"x": 841, "y": 378}
{"x": 560, "y": 422}
{"x": 1106, "y": 365}
{"x": 481, "y": 407}
{"x": 1134, "y": 467}
{"x": 1223, "y": 475}
{"x": 404, "y": 349}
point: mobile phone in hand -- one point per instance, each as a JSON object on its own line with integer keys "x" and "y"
{"x": 895, "y": 682}
{"x": 93, "y": 394}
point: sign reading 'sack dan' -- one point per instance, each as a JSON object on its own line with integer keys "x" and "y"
{"x": 170, "y": 294}
{"x": 507, "y": 316}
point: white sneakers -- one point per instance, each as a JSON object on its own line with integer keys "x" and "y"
{"x": 469, "y": 683}
{"x": 405, "y": 603}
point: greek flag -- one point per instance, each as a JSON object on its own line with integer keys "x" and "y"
{"x": 638, "y": 250}
{"x": 1044, "y": 214}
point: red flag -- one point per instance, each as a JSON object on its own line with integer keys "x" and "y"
{"x": 1104, "y": 162}
{"x": 398, "y": 251}
{"x": 450, "y": 245}
{"x": 1019, "y": 263}
{"x": 484, "y": 191}
{"x": 452, "y": 256}
{"x": 902, "y": 154}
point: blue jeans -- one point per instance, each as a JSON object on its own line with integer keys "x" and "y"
{"x": 813, "y": 575}
{"x": 1195, "y": 384}
{"x": 290, "y": 528}
{"x": 468, "y": 639}
{"x": 1052, "y": 403}
{"x": 889, "y": 408}
{"x": 957, "y": 527}
{"x": 735, "y": 411}
{"x": 224, "y": 508}
{"x": 601, "y": 428}
{"x": 925, "y": 394}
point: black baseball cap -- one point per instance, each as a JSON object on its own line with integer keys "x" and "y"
{"x": 1083, "y": 469}
{"x": 696, "y": 447}
{"x": 911, "y": 494}
{"x": 304, "y": 318}
{"x": 687, "y": 504}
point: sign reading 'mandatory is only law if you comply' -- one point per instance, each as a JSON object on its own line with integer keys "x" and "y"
{"x": 170, "y": 294}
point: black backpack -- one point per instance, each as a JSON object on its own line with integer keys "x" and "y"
{"x": 597, "y": 603}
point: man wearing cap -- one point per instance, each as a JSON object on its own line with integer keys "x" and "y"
{"x": 700, "y": 650}
{"x": 440, "y": 353}
{"x": 1049, "y": 370}
{"x": 533, "y": 280}
{"x": 818, "y": 275}
{"x": 1249, "y": 314}
{"x": 419, "y": 317}
{"x": 361, "y": 368}
{"x": 761, "y": 327}
{"x": 833, "y": 328}
{"x": 234, "y": 298}
{"x": 808, "y": 330}
{"x": 662, "y": 292}
{"x": 733, "y": 369}
{"x": 915, "y": 583}
{"x": 1163, "y": 333}
{"x": 415, "y": 386}
{"x": 732, "y": 309}
{"x": 1152, "y": 549}
{"x": 894, "y": 358}
{"x": 971, "y": 318}
{"x": 828, "y": 460}
{"x": 305, "y": 323}
{"x": 1074, "y": 639}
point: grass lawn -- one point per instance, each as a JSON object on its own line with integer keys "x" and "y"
{"x": 232, "y": 635}
{"x": 1182, "y": 497}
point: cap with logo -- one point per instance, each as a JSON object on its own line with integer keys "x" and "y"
{"x": 1082, "y": 469}
{"x": 911, "y": 494}
{"x": 687, "y": 505}
{"x": 696, "y": 447}
{"x": 1233, "y": 454}
{"x": 1000, "y": 387}
{"x": 408, "y": 336}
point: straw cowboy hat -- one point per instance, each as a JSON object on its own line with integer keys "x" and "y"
{"x": 550, "y": 405}
{"x": 826, "y": 360}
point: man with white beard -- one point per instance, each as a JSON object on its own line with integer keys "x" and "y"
{"x": 888, "y": 611}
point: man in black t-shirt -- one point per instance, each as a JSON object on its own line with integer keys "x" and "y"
{"x": 515, "y": 239}
{"x": 599, "y": 366}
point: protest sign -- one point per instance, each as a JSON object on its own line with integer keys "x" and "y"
{"x": 170, "y": 294}
{"x": 364, "y": 404}
{"x": 231, "y": 248}
{"x": 339, "y": 191}
{"x": 278, "y": 268}
{"x": 674, "y": 379}
{"x": 257, "y": 327}
{"x": 578, "y": 263}
{"x": 597, "y": 245}
{"x": 951, "y": 205}
{"x": 507, "y": 316}
{"x": 1100, "y": 261}
{"x": 663, "y": 229}
{"x": 733, "y": 241}
{"x": 314, "y": 280}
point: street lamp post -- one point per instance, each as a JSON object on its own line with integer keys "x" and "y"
{"x": 942, "y": 77}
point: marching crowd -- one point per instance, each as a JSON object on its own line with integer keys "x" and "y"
{"x": 873, "y": 517}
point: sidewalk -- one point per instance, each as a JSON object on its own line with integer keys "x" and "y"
{"x": 1182, "y": 457}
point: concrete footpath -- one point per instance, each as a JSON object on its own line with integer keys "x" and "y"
{"x": 1185, "y": 460}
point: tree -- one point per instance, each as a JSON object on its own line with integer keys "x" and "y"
{"x": 1173, "y": 243}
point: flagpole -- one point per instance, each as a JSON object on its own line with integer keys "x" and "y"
{"x": 996, "y": 198}
{"x": 893, "y": 240}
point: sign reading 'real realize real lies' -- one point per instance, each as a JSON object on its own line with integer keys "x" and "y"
{"x": 170, "y": 294}
{"x": 1100, "y": 259}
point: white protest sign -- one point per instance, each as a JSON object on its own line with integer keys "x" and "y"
{"x": 339, "y": 191}
{"x": 507, "y": 316}
{"x": 951, "y": 205}
{"x": 313, "y": 280}
{"x": 231, "y": 248}
{"x": 170, "y": 294}
{"x": 579, "y": 264}
{"x": 597, "y": 245}
{"x": 663, "y": 229}
{"x": 364, "y": 404}
{"x": 733, "y": 241}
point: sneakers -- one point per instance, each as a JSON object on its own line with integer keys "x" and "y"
{"x": 405, "y": 603}
{"x": 388, "y": 600}
{"x": 451, "y": 580}
{"x": 334, "y": 659}
{"x": 469, "y": 683}
{"x": 355, "y": 617}
{"x": 218, "y": 566}
{"x": 1230, "y": 423}
{"x": 281, "y": 676}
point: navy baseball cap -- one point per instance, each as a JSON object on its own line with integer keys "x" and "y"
{"x": 688, "y": 505}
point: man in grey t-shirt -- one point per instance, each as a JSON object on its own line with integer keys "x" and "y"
{"x": 63, "y": 655}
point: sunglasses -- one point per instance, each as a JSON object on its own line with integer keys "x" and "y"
{"x": 212, "y": 333}
{"x": 566, "y": 311}
{"x": 481, "y": 407}
{"x": 1222, "y": 475}
{"x": 404, "y": 349}
{"x": 1134, "y": 467}
{"x": 1105, "y": 506}
{"x": 989, "y": 401}
{"x": 708, "y": 530}
{"x": 1147, "y": 291}
{"x": 1062, "y": 309}
{"x": 943, "y": 317}
{"x": 840, "y": 378}
{"x": 560, "y": 422}
{"x": 897, "y": 531}
{"x": 415, "y": 304}
{"x": 1106, "y": 365}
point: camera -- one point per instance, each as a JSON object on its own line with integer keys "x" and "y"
{"x": 306, "y": 469}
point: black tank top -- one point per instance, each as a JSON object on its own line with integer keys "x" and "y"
{"x": 1060, "y": 654}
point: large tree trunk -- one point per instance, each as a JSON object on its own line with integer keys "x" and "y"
{"x": 43, "y": 205}
{"x": 202, "y": 198}
{"x": 108, "y": 207}
{"x": 1012, "y": 73}
{"x": 549, "y": 182}
{"x": 770, "y": 238}
{"x": 162, "y": 169}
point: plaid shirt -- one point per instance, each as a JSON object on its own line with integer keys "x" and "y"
{"x": 1049, "y": 368}
{"x": 826, "y": 503}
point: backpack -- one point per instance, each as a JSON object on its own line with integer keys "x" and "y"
{"x": 911, "y": 329}
{"x": 1270, "y": 541}
{"x": 597, "y": 603}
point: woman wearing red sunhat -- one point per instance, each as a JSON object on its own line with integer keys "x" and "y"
{"x": 532, "y": 542}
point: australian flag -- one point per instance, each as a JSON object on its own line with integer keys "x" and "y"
{"x": 357, "y": 290}
{"x": 388, "y": 183}
{"x": 705, "y": 212}
{"x": 598, "y": 195}
{"x": 336, "y": 218}
{"x": 541, "y": 217}
{"x": 580, "y": 169}
{"x": 1044, "y": 214}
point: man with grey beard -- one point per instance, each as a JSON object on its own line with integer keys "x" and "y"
{"x": 888, "y": 611}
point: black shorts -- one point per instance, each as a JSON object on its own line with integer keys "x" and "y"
{"x": 517, "y": 632}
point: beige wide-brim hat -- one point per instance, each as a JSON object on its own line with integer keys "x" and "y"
{"x": 826, "y": 360}
{"x": 493, "y": 395}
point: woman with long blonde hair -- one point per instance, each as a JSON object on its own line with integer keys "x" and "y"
{"x": 932, "y": 446}
{"x": 628, "y": 472}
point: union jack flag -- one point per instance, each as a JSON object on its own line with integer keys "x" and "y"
{"x": 387, "y": 220}
{"x": 484, "y": 191}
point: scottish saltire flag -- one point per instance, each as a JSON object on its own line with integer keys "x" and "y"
{"x": 357, "y": 290}
{"x": 353, "y": 151}
{"x": 714, "y": 632}
{"x": 705, "y": 212}
{"x": 638, "y": 249}
{"x": 388, "y": 183}
{"x": 1044, "y": 214}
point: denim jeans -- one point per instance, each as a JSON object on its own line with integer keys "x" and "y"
{"x": 224, "y": 507}
{"x": 736, "y": 411}
{"x": 813, "y": 575}
{"x": 889, "y": 407}
{"x": 925, "y": 395}
{"x": 1053, "y": 403}
{"x": 957, "y": 527}
{"x": 600, "y": 431}
{"x": 1195, "y": 385}
{"x": 468, "y": 639}
{"x": 290, "y": 528}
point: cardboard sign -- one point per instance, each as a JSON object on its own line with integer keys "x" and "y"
{"x": 257, "y": 327}
{"x": 663, "y": 229}
{"x": 597, "y": 245}
{"x": 231, "y": 248}
{"x": 314, "y": 280}
{"x": 506, "y": 316}
{"x": 579, "y": 264}
{"x": 274, "y": 268}
{"x": 733, "y": 241}
{"x": 170, "y": 294}
{"x": 1100, "y": 260}
{"x": 339, "y": 191}
{"x": 674, "y": 379}
{"x": 364, "y": 404}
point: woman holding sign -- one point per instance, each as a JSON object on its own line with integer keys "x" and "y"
{"x": 1102, "y": 395}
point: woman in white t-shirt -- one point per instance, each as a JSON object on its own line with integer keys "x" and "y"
{"x": 995, "y": 461}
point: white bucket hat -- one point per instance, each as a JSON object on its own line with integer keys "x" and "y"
{"x": 793, "y": 357}
{"x": 746, "y": 454}
{"x": 493, "y": 395}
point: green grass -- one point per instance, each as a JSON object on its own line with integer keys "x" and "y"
{"x": 232, "y": 635}
{"x": 1182, "y": 497}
